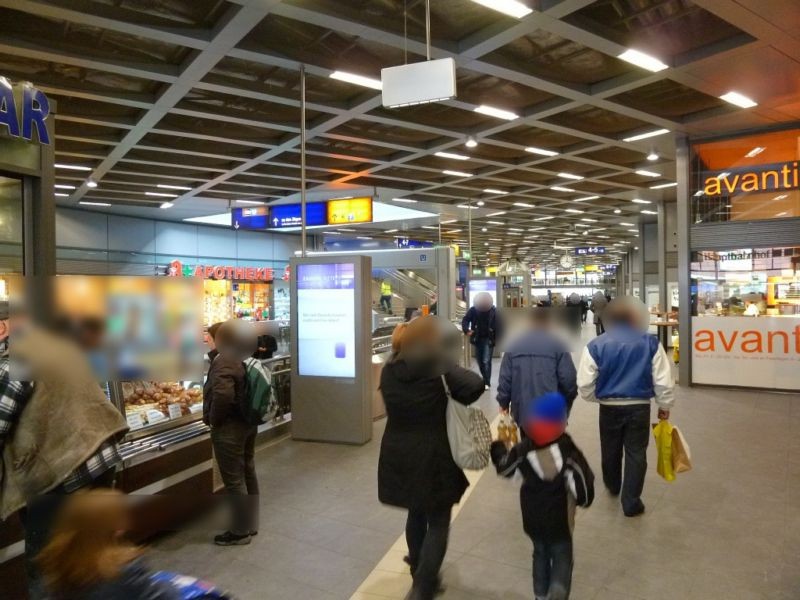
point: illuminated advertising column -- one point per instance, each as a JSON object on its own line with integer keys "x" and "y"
{"x": 331, "y": 349}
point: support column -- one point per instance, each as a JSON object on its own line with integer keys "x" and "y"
{"x": 684, "y": 196}
{"x": 661, "y": 227}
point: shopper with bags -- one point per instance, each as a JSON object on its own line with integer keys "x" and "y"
{"x": 624, "y": 370}
{"x": 556, "y": 478}
{"x": 536, "y": 362}
{"x": 416, "y": 469}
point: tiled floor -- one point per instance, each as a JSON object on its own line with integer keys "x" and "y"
{"x": 728, "y": 530}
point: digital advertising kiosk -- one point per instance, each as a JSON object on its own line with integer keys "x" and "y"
{"x": 331, "y": 340}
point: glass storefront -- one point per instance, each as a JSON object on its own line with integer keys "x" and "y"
{"x": 10, "y": 231}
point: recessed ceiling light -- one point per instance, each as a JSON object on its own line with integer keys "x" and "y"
{"x": 559, "y": 188}
{"x": 523, "y": 205}
{"x": 640, "y": 59}
{"x": 617, "y": 211}
{"x": 645, "y": 135}
{"x": 661, "y": 186}
{"x": 72, "y": 167}
{"x": 644, "y": 173}
{"x": 471, "y": 142}
{"x": 456, "y": 173}
{"x": 755, "y": 152}
{"x": 698, "y": 193}
{"x": 165, "y": 186}
{"x": 160, "y": 195}
{"x": 648, "y": 212}
{"x": 496, "y": 112}
{"x": 496, "y": 214}
{"x": 405, "y": 200}
{"x": 739, "y": 100}
{"x": 63, "y": 186}
{"x": 484, "y": 229}
{"x": 585, "y": 198}
{"x": 652, "y": 156}
{"x": 91, "y": 183}
{"x": 87, "y": 203}
{"x": 573, "y": 210}
{"x": 167, "y": 205}
{"x": 452, "y": 155}
{"x": 369, "y": 82}
{"x": 494, "y": 191}
{"x": 570, "y": 176}
{"x": 480, "y": 203}
{"x": 640, "y": 201}
{"x": 512, "y": 8}
{"x": 541, "y": 151}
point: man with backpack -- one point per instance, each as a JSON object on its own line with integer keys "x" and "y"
{"x": 233, "y": 412}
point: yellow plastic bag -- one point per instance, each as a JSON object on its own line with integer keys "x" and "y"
{"x": 662, "y": 431}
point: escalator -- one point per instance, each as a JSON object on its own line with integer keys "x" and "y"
{"x": 410, "y": 289}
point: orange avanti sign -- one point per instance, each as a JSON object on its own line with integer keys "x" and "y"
{"x": 763, "y": 178}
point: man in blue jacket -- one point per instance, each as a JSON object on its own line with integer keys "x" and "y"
{"x": 624, "y": 370}
{"x": 536, "y": 363}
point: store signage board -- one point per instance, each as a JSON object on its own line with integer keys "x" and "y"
{"x": 326, "y": 319}
{"x": 590, "y": 250}
{"x": 177, "y": 269}
{"x": 24, "y": 108}
{"x": 349, "y": 210}
{"x": 770, "y": 177}
{"x": 746, "y": 351}
{"x": 289, "y": 215}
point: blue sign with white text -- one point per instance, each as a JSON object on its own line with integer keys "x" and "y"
{"x": 409, "y": 243}
{"x": 288, "y": 215}
{"x": 590, "y": 250}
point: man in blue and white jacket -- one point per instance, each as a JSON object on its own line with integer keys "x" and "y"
{"x": 624, "y": 370}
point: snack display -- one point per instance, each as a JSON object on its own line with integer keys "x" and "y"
{"x": 151, "y": 402}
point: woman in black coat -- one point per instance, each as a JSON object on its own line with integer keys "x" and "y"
{"x": 416, "y": 470}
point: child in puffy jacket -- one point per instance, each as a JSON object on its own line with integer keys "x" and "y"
{"x": 556, "y": 478}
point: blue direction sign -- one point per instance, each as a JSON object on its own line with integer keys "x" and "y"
{"x": 590, "y": 250}
{"x": 288, "y": 215}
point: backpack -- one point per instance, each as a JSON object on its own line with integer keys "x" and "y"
{"x": 468, "y": 432}
{"x": 259, "y": 404}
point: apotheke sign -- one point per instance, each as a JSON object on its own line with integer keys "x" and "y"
{"x": 178, "y": 269}
{"x": 23, "y": 108}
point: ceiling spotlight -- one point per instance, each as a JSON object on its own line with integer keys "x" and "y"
{"x": 652, "y": 156}
{"x": 739, "y": 100}
{"x": 484, "y": 229}
{"x": 471, "y": 142}
{"x": 617, "y": 211}
{"x": 375, "y": 84}
{"x": 640, "y": 59}
{"x": 480, "y": 203}
{"x": 91, "y": 183}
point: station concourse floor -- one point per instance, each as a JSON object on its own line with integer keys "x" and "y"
{"x": 728, "y": 530}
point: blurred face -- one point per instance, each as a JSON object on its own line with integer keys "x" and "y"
{"x": 4, "y": 330}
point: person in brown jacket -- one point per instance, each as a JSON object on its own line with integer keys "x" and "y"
{"x": 232, "y": 437}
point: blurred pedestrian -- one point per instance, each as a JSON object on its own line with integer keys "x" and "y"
{"x": 482, "y": 325}
{"x": 599, "y": 302}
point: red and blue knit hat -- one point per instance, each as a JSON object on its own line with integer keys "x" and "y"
{"x": 545, "y": 418}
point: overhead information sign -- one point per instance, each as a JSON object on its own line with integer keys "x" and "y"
{"x": 403, "y": 242}
{"x": 590, "y": 250}
{"x": 289, "y": 215}
{"x": 256, "y": 217}
{"x": 349, "y": 210}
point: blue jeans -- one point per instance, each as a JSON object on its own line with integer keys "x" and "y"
{"x": 625, "y": 428}
{"x": 483, "y": 354}
{"x": 552, "y": 569}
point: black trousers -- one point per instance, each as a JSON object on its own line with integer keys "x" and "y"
{"x": 625, "y": 429}
{"x": 426, "y": 535}
{"x": 38, "y": 518}
{"x": 234, "y": 448}
{"x": 552, "y": 569}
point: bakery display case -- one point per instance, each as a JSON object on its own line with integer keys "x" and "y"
{"x": 151, "y": 406}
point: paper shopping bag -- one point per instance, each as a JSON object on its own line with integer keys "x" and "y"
{"x": 662, "y": 431}
{"x": 681, "y": 455}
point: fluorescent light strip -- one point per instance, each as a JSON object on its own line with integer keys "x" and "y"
{"x": 739, "y": 100}
{"x": 494, "y": 191}
{"x": 540, "y": 151}
{"x": 644, "y": 173}
{"x": 62, "y": 186}
{"x": 496, "y": 112}
{"x": 405, "y": 200}
{"x": 430, "y": 227}
{"x": 449, "y": 221}
{"x": 331, "y": 233}
{"x": 645, "y": 61}
{"x": 391, "y": 231}
{"x": 374, "y": 84}
{"x": 72, "y": 167}
{"x": 585, "y": 198}
{"x": 644, "y": 136}
{"x": 60, "y": 195}
{"x": 496, "y": 214}
{"x": 626, "y": 224}
{"x": 167, "y": 205}
{"x": 165, "y": 186}
{"x": 559, "y": 188}
{"x": 570, "y": 176}
{"x": 160, "y": 195}
{"x": 590, "y": 220}
{"x": 467, "y": 206}
{"x": 495, "y": 222}
{"x": 254, "y": 202}
{"x": 648, "y": 212}
{"x": 523, "y": 205}
{"x": 662, "y": 186}
{"x": 640, "y": 201}
{"x": 515, "y": 229}
{"x": 457, "y": 173}
{"x": 451, "y": 155}
{"x": 87, "y": 203}
{"x": 512, "y": 8}
{"x": 755, "y": 152}
{"x": 572, "y": 210}
{"x": 363, "y": 237}
{"x": 543, "y": 219}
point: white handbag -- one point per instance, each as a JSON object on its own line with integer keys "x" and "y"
{"x": 468, "y": 432}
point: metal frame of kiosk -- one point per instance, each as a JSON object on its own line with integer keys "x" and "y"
{"x": 328, "y": 406}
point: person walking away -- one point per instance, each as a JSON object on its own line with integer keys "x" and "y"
{"x": 556, "y": 478}
{"x": 599, "y": 303}
{"x": 482, "y": 325}
{"x": 416, "y": 470}
{"x": 60, "y": 423}
{"x": 88, "y": 559}
{"x": 266, "y": 348}
{"x": 536, "y": 363}
{"x": 584, "y": 310}
{"x": 386, "y": 296}
{"x": 623, "y": 370}
{"x": 232, "y": 437}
